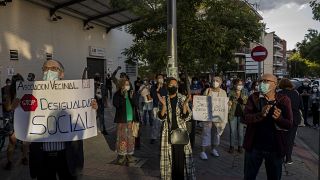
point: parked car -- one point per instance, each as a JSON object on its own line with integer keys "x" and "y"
{"x": 296, "y": 83}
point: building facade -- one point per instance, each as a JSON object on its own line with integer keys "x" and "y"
{"x": 28, "y": 37}
{"x": 276, "y": 62}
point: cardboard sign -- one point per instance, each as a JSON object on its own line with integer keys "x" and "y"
{"x": 55, "y": 111}
{"x": 208, "y": 108}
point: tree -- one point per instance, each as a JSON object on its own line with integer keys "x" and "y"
{"x": 301, "y": 67}
{"x": 315, "y": 5}
{"x": 209, "y": 32}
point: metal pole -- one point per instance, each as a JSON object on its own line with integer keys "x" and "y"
{"x": 172, "y": 65}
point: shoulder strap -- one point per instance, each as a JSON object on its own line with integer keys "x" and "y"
{"x": 167, "y": 110}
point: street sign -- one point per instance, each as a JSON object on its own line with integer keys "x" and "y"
{"x": 29, "y": 102}
{"x": 259, "y": 53}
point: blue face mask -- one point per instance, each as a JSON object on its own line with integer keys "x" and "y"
{"x": 264, "y": 88}
{"x": 50, "y": 75}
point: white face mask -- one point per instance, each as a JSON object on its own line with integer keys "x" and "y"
{"x": 314, "y": 90}
{"x": 239, "y": 87}
{"x": 50, "y": 75}
{"x": 127, "y": 88}
{"x": 216, "y": 84}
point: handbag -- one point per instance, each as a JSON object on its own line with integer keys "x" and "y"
{"x": 178, "y": 136}
{"x": 135, "y": 129}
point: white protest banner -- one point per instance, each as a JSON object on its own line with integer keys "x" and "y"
{"x": 55, "y": 111}
{"x": 208, "y": 108}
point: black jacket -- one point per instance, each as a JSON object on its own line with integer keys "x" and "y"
{"x": 296, "y": 104}
{"x": 119, "y": 102}
{"x": 74, "y": 157}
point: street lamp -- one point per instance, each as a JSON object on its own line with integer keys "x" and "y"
{"x": 172, "y": 65}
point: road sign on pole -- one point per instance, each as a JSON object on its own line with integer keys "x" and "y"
{"x": 259, "y": 53}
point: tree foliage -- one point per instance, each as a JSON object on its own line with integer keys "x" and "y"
{"x": 209, "y": 32}
{"x": 315, "y": 5}
{"x": 301, "y": 67}
{"x": 309, "y": 48}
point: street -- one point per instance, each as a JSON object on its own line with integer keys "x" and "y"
{"x": 100, "y": 159}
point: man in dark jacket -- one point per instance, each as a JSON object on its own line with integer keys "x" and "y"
{"x": 50, "y": 159}
{"x": 268, "y": 116}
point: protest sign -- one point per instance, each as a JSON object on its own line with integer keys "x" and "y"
{"x": 55, "y": 111}
{"x": 208, "y": 108}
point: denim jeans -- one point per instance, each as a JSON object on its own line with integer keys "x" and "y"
{"x": 253, "y": 161}
{"x": 236, "y": 131}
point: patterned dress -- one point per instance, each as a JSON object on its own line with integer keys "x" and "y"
{"x": 166, "y": 149}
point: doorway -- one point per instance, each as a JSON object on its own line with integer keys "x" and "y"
{"x": 95, "y": 66}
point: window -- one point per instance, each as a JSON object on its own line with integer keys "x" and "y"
{"x": 14, "y": 55}
{"x": 48, "y": 56}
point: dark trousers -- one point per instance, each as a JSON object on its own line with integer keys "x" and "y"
{"x": 315, "y": 114}
{"x": 253, "y": 161}
{"x": 290, "y": 137}
{"x": 178, "y": 162}
{"x": 149, "y": 112}
{"x": 100, "y": 114}
{"x": 109, "y": 92}
{"x": 192, "y": 134}
{"x": 305, "y": 114}
{"x": 55, "y": 163}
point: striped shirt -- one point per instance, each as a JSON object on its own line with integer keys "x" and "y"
{"x": 53, "y": 146}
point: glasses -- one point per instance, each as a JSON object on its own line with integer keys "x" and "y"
{"x": 265, "y": 81}
{"x": 53, "y": 68}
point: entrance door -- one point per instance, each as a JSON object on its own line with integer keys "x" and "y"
{"x": 95, "y": 66}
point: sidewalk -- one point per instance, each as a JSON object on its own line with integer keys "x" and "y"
{"x": 100, "y": 157}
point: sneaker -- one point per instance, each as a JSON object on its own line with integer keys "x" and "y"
{"x": 203, "y": 156}
{"x": 231, "y": 150}
{"x": 104, "y": 132}
{"x": 215, "y": 153}
{"x": 8, "y": 166}
{"x": 289, "y": 162}
{"x": 302, "y": 125}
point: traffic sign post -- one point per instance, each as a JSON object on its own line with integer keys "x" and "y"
{"x": 259, "y": 54}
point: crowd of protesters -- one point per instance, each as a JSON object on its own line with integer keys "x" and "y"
{"x": 263, "y": 118}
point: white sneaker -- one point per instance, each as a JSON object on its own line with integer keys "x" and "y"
{"x": 215, "y": 153}
{"x": 203, "y": 156}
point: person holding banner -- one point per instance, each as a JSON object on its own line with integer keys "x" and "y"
{"x": 216, "y": 91}
{"x": 51, "y": 159}
{"x": 238, "y": 98}
{"x": 176, "y": 160}
{"x": 126, "y": 113}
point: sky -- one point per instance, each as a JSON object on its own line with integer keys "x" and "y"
{"x": 290, "y": 19}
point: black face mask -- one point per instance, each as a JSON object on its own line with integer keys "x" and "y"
{"x": 172, "y": 90}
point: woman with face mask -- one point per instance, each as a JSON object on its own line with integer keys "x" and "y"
{"x": 176, "y": 160}
{"x": 254, "y": 87}
{"x": 238, "y": 98}
{"x": 287, "y": 88}
{"x": 218, "y": 127}
{"x": 125, "y": 115}
{"x": 315, "y": 105}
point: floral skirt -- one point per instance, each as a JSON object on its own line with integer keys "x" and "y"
{"x": 125, "y": 139}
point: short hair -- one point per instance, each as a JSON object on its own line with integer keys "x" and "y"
{"x": 60, "y": 64}
{"x": 285, "y": 83}
{"x": 171, "y": 79}
{"x": 159, "y": 75}
{"x": 218, "y": 78}
{"x": 121, "y": 83}
{"x": 8, "y": 80}
{"x": 236, "y": 81}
